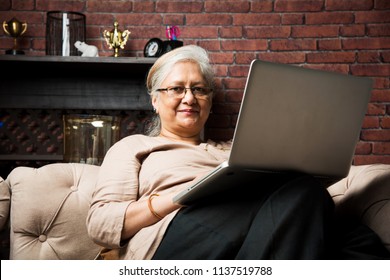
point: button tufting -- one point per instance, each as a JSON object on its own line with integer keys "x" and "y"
{"x": 73, "y": 188}
{"x": 42, "y": 238}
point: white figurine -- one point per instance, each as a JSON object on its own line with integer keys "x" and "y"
{"x": 87, "y": 50}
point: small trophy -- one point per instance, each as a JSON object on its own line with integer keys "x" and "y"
{"x": 14, "y": 28}
{"x": 116, "y": 39}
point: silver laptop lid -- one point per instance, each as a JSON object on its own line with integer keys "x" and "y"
{"x": 299, "y": 119}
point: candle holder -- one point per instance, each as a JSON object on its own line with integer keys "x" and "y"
{"x": 63, "y": 30}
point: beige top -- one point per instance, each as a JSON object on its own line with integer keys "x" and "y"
{"x": 135, "y": 167}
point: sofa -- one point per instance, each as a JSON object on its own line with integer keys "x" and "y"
{"x": 44, "y": 209}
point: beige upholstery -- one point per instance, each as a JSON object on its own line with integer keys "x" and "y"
{"x": 49, "y": 207}
{"x": 4, "y": 203}
{"x": 48, "y": 211}
{"x": 365, "y": 195}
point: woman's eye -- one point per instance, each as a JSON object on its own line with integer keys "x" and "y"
{"x": 176, "y": 89}
{"x": 198, "y": 89}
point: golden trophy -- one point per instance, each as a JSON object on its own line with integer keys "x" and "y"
{"x": 14, "y": 28}
{"x": 116, "y": 39}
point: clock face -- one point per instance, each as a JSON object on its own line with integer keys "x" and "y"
{"x": 153, "y": 48}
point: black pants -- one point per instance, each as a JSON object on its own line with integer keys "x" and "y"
{"x": 276, "y": 218}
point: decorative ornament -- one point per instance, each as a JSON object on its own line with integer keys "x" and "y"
{"x": 86, "y": 50}
{"x": 14, "y": 28}
{"x": 116, "y": 39}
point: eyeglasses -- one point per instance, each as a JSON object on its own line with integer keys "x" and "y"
{"x": 180, "y": 92}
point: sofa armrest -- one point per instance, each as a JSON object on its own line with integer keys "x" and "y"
{"x": 48, "y": 211}
{"x": 4, "y": 203}
{"x": 364, "y": 195}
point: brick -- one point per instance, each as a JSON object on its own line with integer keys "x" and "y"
{"x": 381, "y": 70}
{"x": 329, "y": 44}
{"x": 238, "y": 71}
{"x": 293, "y": 44}
{"x": 241, "y": 45}
{"x": 179, "y": 7}
{"x": 376, "y": 109}
{"x": 330, "y": 18}
{"x": 298, "y": 5}
{"x": 139, "y": 20}
{"x": 340, "y": 68}
{"x": 110, "y": 6}
{"x": 178, "y": 20}
{"x": 144, "y": 6}
{"x": 378, "y": 30}
{"x": 256, "y": 19}
{"x": 372, "y": 17}
{"x": 222, "y": 58}
{"x": 381, "y": 148}
{"x": 372, "y": 43}
{"x": 283, "y": 57}
{"x": 103, "y": 20}
{"x": 348, "y": 5}
{"x": 376, "y": 135}
{"x": 245, "y": 58}
{"x": 59, "y": 5}
{"x": 385, "y": 122}
{"x": 262, "y": 6}
{"x": 369, "y": 57}
{"x": 234, "y": 83}
{"x": 211, "y": 45}
{"x": 209, "y": 19}
{"x": 331, "y": 57}
{"x": 386, "y": 56}
{"x": 21, "y": 4}
{"x": 370, "y": 122}
{"x": 381, "y": 83}
{"x": 5, "y": 5}
{"x": 382, "y": 4}
{"x": 353, "y": 30}
{"x": 221, "y": 70}
{"x": 369, "y": 159}
{"x": 227, "y": 6}
{"x": 199, "y": 32}
{"x": 267, "y": 32}
{"x": 293, "y": 19}
{"x": 231, "y": 32}
{"x": 314, "y": 31}
{"x": 234, "y": 96}
{"x": 363, "y": 148}
{"x": 380, "y": 95}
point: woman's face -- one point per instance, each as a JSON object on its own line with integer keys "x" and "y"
{"x": 184, "y": 116}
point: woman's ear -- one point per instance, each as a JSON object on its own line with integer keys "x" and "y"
{"x": 155, "y": 103}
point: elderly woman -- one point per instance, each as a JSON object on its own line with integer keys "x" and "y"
{"x": 132, "y": 212}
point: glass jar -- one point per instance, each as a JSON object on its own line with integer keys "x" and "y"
{"x": 87, "y": 138}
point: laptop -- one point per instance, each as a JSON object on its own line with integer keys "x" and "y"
{"x": 291, "y": 119}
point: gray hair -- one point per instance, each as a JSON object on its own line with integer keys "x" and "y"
{"x": 162, "y": 67}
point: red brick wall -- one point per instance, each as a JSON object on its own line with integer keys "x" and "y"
{"x": 348, "y": 36}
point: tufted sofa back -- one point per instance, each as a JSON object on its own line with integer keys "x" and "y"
{"x": 48, "y": 211}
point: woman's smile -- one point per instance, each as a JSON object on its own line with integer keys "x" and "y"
{"x": 188, "y": 111}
